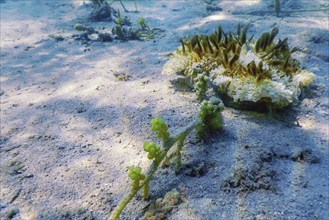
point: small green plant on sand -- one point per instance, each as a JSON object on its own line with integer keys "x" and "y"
{"x": 120, "y": 21}
{"x": 145, "y": 30}
{"x": 245, "y": 73}
{"x": 143, "y": 24}
{"x": 209, "y": 119}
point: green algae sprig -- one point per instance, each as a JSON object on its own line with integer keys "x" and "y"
{"x": 209, "y": 120}
{"x": 246, "y": 72}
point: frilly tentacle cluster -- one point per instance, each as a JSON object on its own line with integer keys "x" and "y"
{"x": 243, "y": 70}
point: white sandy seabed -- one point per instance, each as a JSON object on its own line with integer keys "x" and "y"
{"x": 75, "y": 115}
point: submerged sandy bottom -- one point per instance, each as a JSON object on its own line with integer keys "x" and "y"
{"x": 71, "y": 126}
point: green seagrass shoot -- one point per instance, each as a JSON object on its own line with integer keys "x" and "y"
{"x": 208, "y": 120}
{"x": 143, "y": 24}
